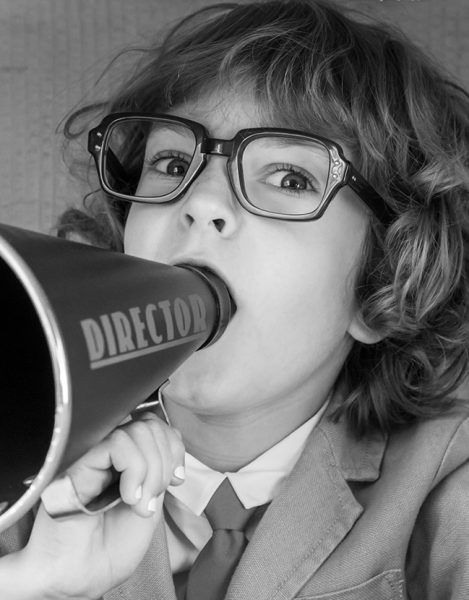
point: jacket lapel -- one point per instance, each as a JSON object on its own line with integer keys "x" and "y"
{"x": 311, "y": 515}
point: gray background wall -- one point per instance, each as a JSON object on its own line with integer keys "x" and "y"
{"x": 52, "y": 51}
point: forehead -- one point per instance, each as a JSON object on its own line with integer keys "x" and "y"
{"x": 223, "y": 114}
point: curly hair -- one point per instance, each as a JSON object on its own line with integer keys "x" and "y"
{"x": 314, "y": 67}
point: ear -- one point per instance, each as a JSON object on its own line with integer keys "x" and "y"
{"x": 361, "y": 332}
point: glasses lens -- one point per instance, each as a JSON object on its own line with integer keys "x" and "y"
{"x": 285, "y": 175}
{"x": 147, "y": 157}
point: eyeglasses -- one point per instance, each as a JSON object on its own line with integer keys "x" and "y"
{"x": 275, "y": 173}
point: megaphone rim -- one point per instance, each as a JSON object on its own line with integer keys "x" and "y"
{"x": 62, "y": 387}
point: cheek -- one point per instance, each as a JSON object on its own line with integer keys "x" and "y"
{"x": 305, "y": 302}
{"x": 295, "y": 311}
{"x": 309, "y": 305}
{"x": 312, "y": 273}
{"x": 144, "y": 231}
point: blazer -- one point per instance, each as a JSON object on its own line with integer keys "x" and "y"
{"x": 375, "y": 518}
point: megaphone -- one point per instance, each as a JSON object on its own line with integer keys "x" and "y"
{"x": 87, "y": 335}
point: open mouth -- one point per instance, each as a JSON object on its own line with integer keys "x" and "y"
{"x": 213, "y": 275}
{"x": 226, "y": 306}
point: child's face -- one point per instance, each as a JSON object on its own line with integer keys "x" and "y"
{"x": 293, "y": 283}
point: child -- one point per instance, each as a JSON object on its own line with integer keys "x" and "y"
{"x": 338, "y": 219}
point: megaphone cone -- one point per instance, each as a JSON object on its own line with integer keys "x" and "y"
{"x": 88, "y": 335}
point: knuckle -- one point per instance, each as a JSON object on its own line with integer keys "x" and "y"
{"x": 177, "y": 443}
{"x": 159, "y": 434}
{"x": 149, "y": 416}
{"x": 177, "y": 433}
{"x": 119, "y": 436}
{"x": 139, "y": 428}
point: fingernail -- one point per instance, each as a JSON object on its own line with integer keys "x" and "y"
{"x": 152, "y": 505}
{"x": 180, "y": 472}
{"x": 138, "y": 493}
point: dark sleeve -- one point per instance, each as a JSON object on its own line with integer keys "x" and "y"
{"x": 16, "y": 537}
{"x": 438, "y": 557}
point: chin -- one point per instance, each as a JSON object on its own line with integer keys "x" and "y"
{"x": 211, "y": 376}
{"x": 195, "y": 385}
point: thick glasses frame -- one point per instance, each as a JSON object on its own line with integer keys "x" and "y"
{"x": 341, "y": 171}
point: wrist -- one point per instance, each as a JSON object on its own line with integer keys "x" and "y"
{"x": 17, "y": 578}
{"x": 22, "y": 579}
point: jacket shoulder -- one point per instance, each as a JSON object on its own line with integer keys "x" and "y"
{"x": 442, "y": 441}
{"x": 438, "y": 555}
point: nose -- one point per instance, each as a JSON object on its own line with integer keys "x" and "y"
{"x": 209, "y": 203}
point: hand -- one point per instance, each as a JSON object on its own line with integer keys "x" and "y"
{"x": 85, "y": 556}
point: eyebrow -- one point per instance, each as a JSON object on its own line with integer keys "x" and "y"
{"x": 172, "y": 127}
{"x": 281, "y": 142}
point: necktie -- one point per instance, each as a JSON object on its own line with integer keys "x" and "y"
{"x": 211, "y": 572}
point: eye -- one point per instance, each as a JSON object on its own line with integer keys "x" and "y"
{"x": 294, "y": 181}
{"x": 291, "y": 178}
{"x": 172, "y": 164}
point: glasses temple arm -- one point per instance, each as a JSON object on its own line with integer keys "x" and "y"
{"x": 369, "y": 196}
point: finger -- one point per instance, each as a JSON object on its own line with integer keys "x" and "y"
{"x": 127, "y": 457}
{"x": 171, "y": 440}
{"x": 89, "y": 481}
{"x": 155, "y": 449}
{"x": 178, "y": 451}
{"x": 93, "y": 472}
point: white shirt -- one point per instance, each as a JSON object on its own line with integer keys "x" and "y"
{"x": 188, "y": 529}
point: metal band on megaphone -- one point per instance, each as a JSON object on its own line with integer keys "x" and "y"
{"x": 62, "y": 422}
